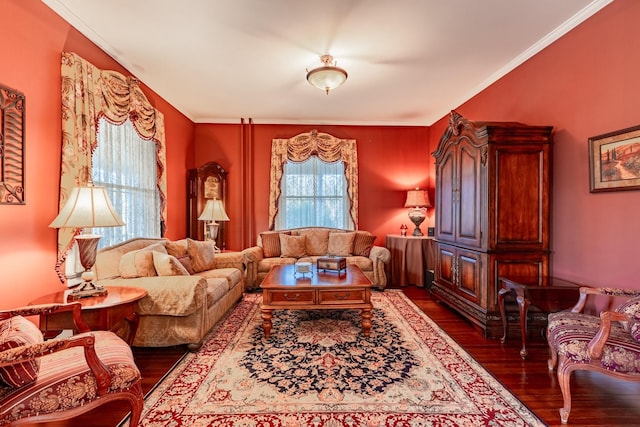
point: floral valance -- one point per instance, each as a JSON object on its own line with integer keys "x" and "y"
{"x": 89, "y": 93}
{"x": 299, "y": 148}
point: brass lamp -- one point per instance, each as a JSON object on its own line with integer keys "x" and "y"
{"x": 417, "y": 202}
{"x": 87, "y": 207}
{"x": 213, "y": 211}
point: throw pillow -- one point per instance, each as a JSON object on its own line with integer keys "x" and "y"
{"x": 271, "y": 243}
{"x": 202, "y": 254}
{"x": 15, "y": 332}
{"x": 177, "y": 248}
{"x": 140, "y": 263}
{"x": 341, "y": 244}
{"x": 167, "y": 265}
{"x": 362, "y": 244}
{"x": 317, "y": 240}
{"x": 292, "y": 246}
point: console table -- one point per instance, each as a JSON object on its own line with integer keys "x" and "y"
{"x": 549, "y": 294}
{"x": 411, "y": 256}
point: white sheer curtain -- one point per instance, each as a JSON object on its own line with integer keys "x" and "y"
{"x": 314, "y": 193}
{"x": 125, "y": 164}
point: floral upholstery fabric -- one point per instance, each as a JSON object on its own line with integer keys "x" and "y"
{"x": 15, "y": 332}
{"x": 65, "y": 381}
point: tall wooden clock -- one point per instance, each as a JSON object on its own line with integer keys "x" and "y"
{"x": 209, "y": 181}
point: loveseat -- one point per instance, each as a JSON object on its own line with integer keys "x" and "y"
{"x": 310, "y": 243}
{"x": 189, "y": 286}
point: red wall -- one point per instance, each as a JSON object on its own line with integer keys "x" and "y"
{"x": 585, "y": 84}
{"x": 34, "y": 38}
{"x": 391, "y": 161}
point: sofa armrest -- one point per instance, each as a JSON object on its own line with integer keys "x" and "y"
{"x": 380, "y": 256}
{"x": 252, "y": 256}
{"x": 166, "y": 295}
{"x": 229, "y": 260}
{"x": 596, "y": 345}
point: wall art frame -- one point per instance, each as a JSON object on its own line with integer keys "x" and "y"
{"x": 614, "y": 161}
{"x": 12, "y": 141}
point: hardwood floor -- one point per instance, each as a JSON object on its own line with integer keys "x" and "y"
{"x": 598, "y": 400}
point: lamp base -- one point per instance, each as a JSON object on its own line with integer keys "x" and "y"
{"x": 85, "y": 290}
{"x": 417, "y": 216}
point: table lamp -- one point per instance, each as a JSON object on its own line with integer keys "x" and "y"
{"x": 417, "y": 202}
{"x": 213, "y": 211}
{"x": 87, "y": 207}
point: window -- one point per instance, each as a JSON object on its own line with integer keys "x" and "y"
{"x": 313, "y": 193}
{"x": 125, "y": 164}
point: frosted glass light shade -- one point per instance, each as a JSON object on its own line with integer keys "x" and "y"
{"x": 328, "y": 76}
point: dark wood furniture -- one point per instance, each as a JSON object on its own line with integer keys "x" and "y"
{"x": 549, "y": 294}
{"x": 493, "y": 184}
{"x": 282, "y": 289}
{"x": 209, "y": 181}
{"x": 104, "y": 313}
{"x": 411, "y": 258}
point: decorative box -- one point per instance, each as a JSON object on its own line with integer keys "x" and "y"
{"x": 338, "y": 264}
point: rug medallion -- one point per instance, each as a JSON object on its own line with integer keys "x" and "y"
{"x": 317, "y": 369}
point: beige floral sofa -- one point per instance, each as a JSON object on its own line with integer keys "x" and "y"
{"x": 311, "y": 243}
{"x": 189, "y": 286}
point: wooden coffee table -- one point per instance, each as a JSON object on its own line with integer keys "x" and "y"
{"x": 282, "y": 289}
{"x": 105, "y": 312}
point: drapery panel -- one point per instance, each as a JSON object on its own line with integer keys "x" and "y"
{"x": 89, "y": 93}
{"x": 299, "y": 148}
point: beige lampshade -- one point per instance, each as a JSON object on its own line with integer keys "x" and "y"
{"x": 213, "y": 211}
{"x": 417, "y": 199}
{"x": 87, "y": 207}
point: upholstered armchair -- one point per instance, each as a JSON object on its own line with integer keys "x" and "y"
{"x": 64, "y": 377}
{"x": 608, "y": 343}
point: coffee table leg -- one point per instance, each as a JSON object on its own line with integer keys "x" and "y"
{"x": 266, "y": 322}
{"x": 366, "y": 321}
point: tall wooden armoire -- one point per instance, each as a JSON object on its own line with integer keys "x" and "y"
{"x": 493, "y": 204}
{"x": 209, "y": 181}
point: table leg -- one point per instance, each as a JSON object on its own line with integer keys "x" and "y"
{"x": 266, "y": 322}
{"x": 523, "y": 304}
{"x": 366, "y": 321}
{"x": 503, "y": 315}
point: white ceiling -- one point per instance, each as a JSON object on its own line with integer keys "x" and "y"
{"x": 409, "y": 61}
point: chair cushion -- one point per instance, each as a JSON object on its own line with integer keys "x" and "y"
{"x": 16, "y": 332}
{"x": 621, "y": 352}
{"x": 65, "y": 381}
{"x": 292, "y": 246}
{"x": 340, "y": 244}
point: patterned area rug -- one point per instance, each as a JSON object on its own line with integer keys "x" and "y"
{"x": 317, "y": 369}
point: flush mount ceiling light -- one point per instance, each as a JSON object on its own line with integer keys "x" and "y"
{"x": 328, "y": 76}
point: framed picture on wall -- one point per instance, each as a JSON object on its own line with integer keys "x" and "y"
{"x": 614, "y": 161}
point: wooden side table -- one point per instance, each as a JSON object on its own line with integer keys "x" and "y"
{"x": 105, "y": 312}
{"x": 549, "y": 294}
{"x": 411, "y": 256}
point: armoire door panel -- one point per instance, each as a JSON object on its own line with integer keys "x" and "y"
{"x": 468, "y": 227}
{"x": 519, "y": 198}
{"x": 469, "y": 275}
{"x": 445, "y": 198}
{"x": 445, "y": 270}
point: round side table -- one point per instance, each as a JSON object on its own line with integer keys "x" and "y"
{"x": 104, "y": 312}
